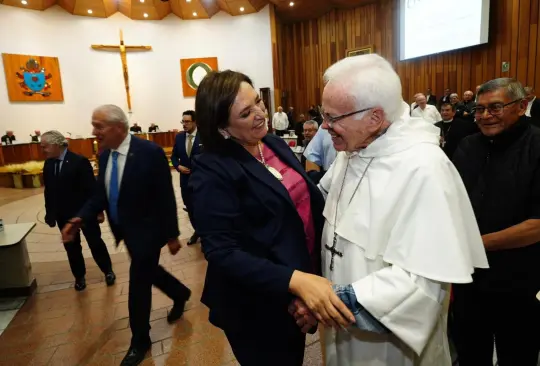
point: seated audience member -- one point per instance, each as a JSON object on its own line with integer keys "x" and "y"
{"x": 309, "y": 131}
{"x": 8, "y": 138}
{"x": 465, "y": 109}
{"x": 533, "y": 105}
{"x": 135, "y": 128}
{"x": 426, "y": 111}
{"x": 454, "y": 99}
{"x": 299, "y": 129}
{"x": 153, "y": 128}
{"x": 431, "y": 98}
{"x": 36, "y": 137}
{"x": 453, "y": 129}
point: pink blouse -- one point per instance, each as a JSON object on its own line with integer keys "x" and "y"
{"x": 299, "y": 192}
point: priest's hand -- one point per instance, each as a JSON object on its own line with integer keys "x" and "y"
{"x": 305, "y": 319}
{"x": 174, "y": 246}
{"x": 70, "y": 229}
{"x": 318, "y": 295}
{"x": 101, "y": 218}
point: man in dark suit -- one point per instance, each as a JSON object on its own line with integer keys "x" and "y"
{"x": 186, "y": 146}
{"x": 153, "y": 128}
{"x": 431, "y": 99}
{"x": 533, "y": 106}
{"x": 69, "y": 183}
{"x": 130, "y": 168}
{"x": 445, "y": 98}
{"x": 8, "y": 138}
{"x": 453, "y": 129}
{"x": 135, "y": 128}
{"x": 36, "y": 137}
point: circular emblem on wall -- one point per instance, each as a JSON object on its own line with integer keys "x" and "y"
{"x": 195, "y": 73}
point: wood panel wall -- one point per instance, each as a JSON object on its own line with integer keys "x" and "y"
{"x": 306, "y": 49}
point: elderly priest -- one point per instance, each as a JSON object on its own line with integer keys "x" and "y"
{"x": 399, "y": 225}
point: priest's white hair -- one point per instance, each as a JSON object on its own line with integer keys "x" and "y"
{"x": 54, "y": 138}
{"x": 113, "y": 114}
{"x": 371, "y": 81}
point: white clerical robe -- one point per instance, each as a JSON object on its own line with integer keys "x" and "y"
{"x": 407, "y": 232}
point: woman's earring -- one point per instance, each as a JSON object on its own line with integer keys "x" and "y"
{"x": 224, "y": 133}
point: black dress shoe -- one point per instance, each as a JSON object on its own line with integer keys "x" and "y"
{"x": 134, "y": 356}
{"x": 177, "y": 310}
{"x": 193, "y": 240}
{"x": 110, "y": 278}
{"x": 80, "y": 284}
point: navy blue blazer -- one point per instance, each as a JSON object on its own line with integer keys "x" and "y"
{"x": 147, "y": 213}
{"x": 252, "y": 235}
{"x": 67, "y": 194}
{"x": 179, "y": 154}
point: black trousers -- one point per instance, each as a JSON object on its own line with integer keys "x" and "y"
{"x": 281, "y": 132}
{"x": 187, "y": 197}
{"x": 511, "y": 319}
{"x": 92, "y": 233}
{"x": 277, "y": 342}
{"x": 144, "y": 272}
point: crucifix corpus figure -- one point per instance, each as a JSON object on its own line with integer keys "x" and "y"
{"x": 123, "y": 51}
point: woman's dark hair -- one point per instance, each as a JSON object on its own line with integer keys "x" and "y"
{"x": 215, "y": 96}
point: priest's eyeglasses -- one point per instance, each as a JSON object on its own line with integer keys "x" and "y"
{"x": 331, "y": 120}
{"x": 494, "y": 109}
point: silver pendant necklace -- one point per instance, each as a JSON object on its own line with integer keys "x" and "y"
{"x": 271, "y": 169}
{"x": 332, "y": 248}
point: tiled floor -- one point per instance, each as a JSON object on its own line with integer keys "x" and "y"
{"x": 60, "y": 327}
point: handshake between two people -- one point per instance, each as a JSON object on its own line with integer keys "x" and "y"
{"x": 317, "y": 302}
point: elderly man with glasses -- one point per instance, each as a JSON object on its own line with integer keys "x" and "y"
{"x": 501, "y": 171}
{"x": 398, "y": 224}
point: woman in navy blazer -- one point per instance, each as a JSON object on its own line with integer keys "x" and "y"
{"x": 262, "y": 248}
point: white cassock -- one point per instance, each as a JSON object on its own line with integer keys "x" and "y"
{"x": 408, "y": 231}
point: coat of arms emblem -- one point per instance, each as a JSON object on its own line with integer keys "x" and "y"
{"x": 33, "y": 79}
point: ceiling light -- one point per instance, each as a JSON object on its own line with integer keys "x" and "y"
{"x": 242, "y": 8}
{"x": 90, "y": 11}
{"x": 24, "y": 2}
{"x": 142, "y": 1}
{"x": 145, "y": 15}
{"x": 291, "y": 3}
{"x": 194, "y": 13}
{"x": 188, "y": 1}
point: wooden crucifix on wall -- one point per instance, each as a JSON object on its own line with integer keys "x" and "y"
{"x": 123, "y": 56}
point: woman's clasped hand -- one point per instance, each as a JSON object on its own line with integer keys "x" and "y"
{"x": 319, "y": 297}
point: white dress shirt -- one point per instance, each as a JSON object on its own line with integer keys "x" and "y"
{"x": 194, "y": 134}
{"x": 280, "y": 121}
{"x": 529, "y": 105}
{"x": 430, "y": 113}
{"x": 123, "y": 150}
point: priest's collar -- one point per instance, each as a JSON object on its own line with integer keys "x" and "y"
{"x": 510, "y": 135}
{"x": 350, "y": 154}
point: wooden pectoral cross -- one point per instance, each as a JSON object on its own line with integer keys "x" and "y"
{"x": 123, "y": 50}
{"x": 333, "y": 251}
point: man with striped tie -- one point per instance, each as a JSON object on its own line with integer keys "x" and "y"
{"x": 130, "y": 168}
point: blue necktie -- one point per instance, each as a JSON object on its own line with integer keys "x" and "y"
{"x": 114, "y": 188}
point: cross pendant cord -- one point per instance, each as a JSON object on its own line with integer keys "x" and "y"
{"x": 332, "y": 248}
